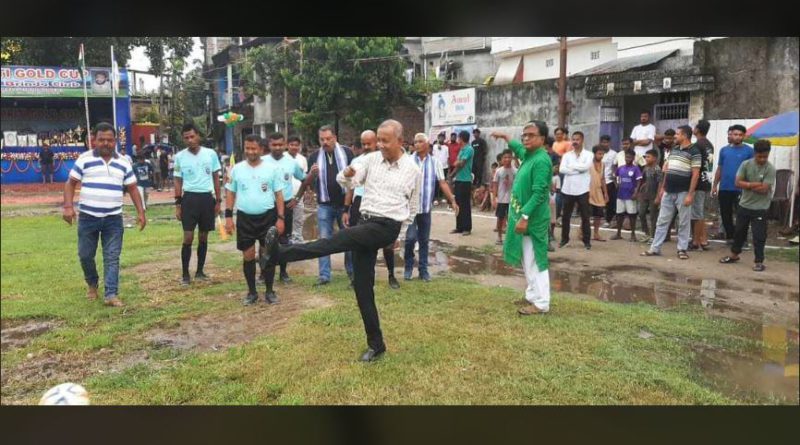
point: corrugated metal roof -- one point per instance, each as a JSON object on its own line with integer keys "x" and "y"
{"x": 627, "y": 63}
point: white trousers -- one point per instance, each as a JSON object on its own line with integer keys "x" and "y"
{"x": 298, "y": 218}
{"x": 538, "y": 290}
{"x": 144, "y": 197}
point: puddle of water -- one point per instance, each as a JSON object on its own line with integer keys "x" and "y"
{"x": 18, "y": 334}
{"x": 772, "y": 375}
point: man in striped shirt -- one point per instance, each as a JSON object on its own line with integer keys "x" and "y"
{"x": 676, "y": 194}
{"x": 102, "y": 174}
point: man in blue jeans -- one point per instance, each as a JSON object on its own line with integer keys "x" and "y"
{"x": 676, "y": 194}
{"x": 324, "y": 165}
{"x": 420, "y": 229}
{"x": 102, "y": 174}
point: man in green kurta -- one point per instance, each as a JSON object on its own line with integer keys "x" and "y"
{"x": 529, "y": 215}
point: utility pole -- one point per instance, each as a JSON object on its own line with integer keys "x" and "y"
{"x": 285, "y": 98}
{"x": 562, "y": 83}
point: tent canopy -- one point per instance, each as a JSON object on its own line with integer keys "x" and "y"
{"x": 781, "y": 129}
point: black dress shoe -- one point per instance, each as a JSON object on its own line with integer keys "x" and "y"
{"x": 371, "y": 355}
{"x": 393, "y": 282}
{"x": 270, "y": 247}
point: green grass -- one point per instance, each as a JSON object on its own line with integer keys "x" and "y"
{"x": 786, "y": 255}
{"x": 450, "y": 341}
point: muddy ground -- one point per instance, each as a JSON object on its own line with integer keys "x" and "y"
{"x": 612, "y": 271}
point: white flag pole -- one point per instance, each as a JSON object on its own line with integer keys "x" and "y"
{"x": 86, "y": 99}
{"x": 113, "y": 92}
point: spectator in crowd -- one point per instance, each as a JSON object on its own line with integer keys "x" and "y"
{"x": 155, "y": 161}
{"x": 643, "y": 135}
{"x": 46, "y": 161}
{"x": 502, "y": 181}
{"x": 648, "y": 189}
{"x": 629, "y": 179}
{"x": 756, "y": 179}
{"x": 555, "y": 198}
{"x": 575, "y": 165}
{"x": 665, "y": 144}
{"x": 556, "y": 159}
{"x": 419, "y": 231}
{"x": 324, "y": 165}
{"x": 562, "y": 144}
{"x": 144, "y": 172}
{"x": 731, "y": 158}
{"x": 171, "y": 168}
{"x": 163, "y": 162}
{"x": 598, "y": 192}
{"x": 699, "y": 232}
{"x": 681, "y": 174}
{"x": 295, "y": 145}
{"x": 609, "y": 168}
{"x": 627, "y": 144}
{"x": 453, "y": 148}
{"x": 462, "y": 174}
{"x": 480, "y": 148}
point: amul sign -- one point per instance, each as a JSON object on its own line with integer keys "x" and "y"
{"x": 453, "y": 107}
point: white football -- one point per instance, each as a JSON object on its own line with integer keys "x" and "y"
{"x": 65, "y": 394}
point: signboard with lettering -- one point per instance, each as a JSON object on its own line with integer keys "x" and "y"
{"x": 42, "y": 81}
{"x": 453, "y": 107}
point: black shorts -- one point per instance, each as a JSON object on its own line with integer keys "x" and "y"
{"x": 252, "y": 228}
{"x": 198, "y": 211}
{"x": 502, "y": 210}
{"x": 598, "y": 212}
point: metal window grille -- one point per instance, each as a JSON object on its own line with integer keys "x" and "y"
{"x": 672, "y": 111}
{"x": 595, "y": 55}
{"x": 548, "y": 63}
{"x": 610, "y": 114}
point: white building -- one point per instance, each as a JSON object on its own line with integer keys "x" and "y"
{"x": 526, "y": 59}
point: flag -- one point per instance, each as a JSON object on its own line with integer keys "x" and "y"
{"x": 82, "y": 61}
{"x": 115, "y": 72}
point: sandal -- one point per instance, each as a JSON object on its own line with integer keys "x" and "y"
{"x": 599, "y": 239}
{"x": 682, "y": 255}
{"x": 759, "y": 267}
{"x": 729, "y": 260}
{"x": 649, "y": 253}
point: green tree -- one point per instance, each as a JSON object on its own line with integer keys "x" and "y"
{"x": 355, "y": 80}
{"x": 57, "y": 51}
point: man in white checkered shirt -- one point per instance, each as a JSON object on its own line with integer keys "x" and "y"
{"x": 103, "y": 174}
{"x": 392, "y": 183}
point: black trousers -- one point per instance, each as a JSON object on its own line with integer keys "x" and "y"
{"x": 363, "y": 240}
{"x": 611, "y": 206}
{"x": 728, "y": 203}
{"x": 582, "y": 202}
{"x": 463, "y": 192}
{"x": 757, "y": 220}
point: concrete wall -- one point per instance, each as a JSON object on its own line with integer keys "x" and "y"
{"x": 755, "y": 77}
{"x": 508, "y": 107}
{"x": 578, "y": 59}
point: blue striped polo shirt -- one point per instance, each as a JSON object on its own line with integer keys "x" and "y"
{"x": 101, "y": 183}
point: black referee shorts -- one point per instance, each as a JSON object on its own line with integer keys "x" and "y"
{"x": 252, "y": 228}
{"x": 198, "y": 211}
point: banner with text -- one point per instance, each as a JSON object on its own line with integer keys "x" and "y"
{"x": 46, "y": 82}
{"x": 453, "y": 107}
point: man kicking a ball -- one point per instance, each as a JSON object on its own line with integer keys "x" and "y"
{"x": 392, "y": 183}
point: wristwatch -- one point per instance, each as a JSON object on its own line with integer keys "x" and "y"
{"x": 525, "y": 217}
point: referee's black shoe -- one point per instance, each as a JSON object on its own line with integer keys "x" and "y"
{"x": 271, "y": 297}
{"x": 250, "y": 299}
{"x": 186, "y": 280}
{"x": 270, "y": 247}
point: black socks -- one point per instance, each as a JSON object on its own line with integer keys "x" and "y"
{"x": 388, "y": 257}
{"x": 186, "y": 255}
{"x": 249, "y": 268}
{"x": 202, "y": 248}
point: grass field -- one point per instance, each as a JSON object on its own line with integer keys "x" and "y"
{"x": 451, "y": 341}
